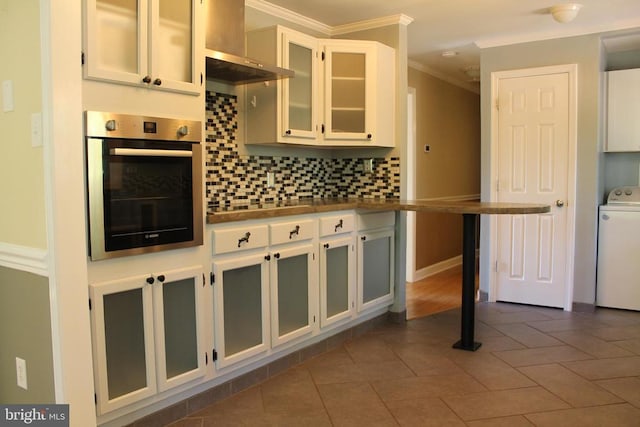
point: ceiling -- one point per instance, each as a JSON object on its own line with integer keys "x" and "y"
{"x": 466, "y": 26}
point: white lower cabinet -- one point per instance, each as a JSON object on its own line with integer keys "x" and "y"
{"x": 147, "y": 335}
{"x": 241, "y": 307}
{"x": 293, "y": 293}
{"x": 337, "y": 269}
{"x": 376, "y": 236}
{"x": 265, "y": 287}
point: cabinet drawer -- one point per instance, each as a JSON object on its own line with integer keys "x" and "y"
{"x": 292, "y": 231}
{"x": 240, "y": 239}
{"x": 336, "y": 224}
{"x": 376, "y": 220}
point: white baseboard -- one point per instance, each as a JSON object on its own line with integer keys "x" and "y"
{"x": 23, "y": 258}
{"x": 439, "y": 267}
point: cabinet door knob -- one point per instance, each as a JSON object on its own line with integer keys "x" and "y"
{"x": 267, "y": 257}
{"x": 157, "y": 82}
{"x": 161, "y": 278}
{"x": 276, "y": 255}
{"x": 146, "y": 79}
{"x": 326, "y": 246}
{"x": 369, "y": 136}
{"x": 288, "y": 132}
{"x": 363, "y": 238}
{"x": 150, "y": 280}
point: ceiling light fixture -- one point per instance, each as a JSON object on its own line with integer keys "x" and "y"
{"x": 449, "y": 53}
{"x": 473, "y": 73}
{"x": 564, "y": 13}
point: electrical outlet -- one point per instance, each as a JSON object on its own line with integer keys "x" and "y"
{"x": 367, "y": 165}
{"x": 21, "y": 373}
{"x": 271, "y": 179}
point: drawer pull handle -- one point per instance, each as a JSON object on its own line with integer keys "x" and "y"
{"x": 244, "y": 239}
{"x": 295, "y": 231}
{"x": 338, "y": 225}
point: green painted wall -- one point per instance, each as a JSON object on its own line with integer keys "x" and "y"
{"x": 25, "y": 332}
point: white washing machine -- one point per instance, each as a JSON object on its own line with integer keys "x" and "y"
{"x": 618, "y": 279}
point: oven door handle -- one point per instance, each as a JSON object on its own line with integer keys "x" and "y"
{"x": 142, "y": 152}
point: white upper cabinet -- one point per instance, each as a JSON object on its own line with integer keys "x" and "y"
{"x": 299, "y": 95}
{"x": 285, "y": 111}
{"x": 148, "y": 43}
{"x": 359, "y": 102}
{"x": 623, "y": 110}
{"x": 342, "y": 93}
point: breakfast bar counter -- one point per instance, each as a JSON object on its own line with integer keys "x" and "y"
{"x": 241, "y": 212}
{"x": 468, "y": 209}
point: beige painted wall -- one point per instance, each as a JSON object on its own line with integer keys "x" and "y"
{"x": 25, "y": 332}
{"x": 587, "y": 52}
{"x": 448, "y": 120}
{"x": 21, "y": 166}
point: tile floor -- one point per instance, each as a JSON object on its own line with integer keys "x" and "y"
{"x": 536, "y": 366}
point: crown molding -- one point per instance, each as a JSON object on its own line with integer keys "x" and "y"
{"x": 442, "y": 76}
{"x": 369, "y": 24}
{"x": 288, "y": 15}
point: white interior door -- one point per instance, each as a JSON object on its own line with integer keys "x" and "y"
{"x": 534, "y": 166}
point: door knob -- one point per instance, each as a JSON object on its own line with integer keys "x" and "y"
{"x": 559, "y": 203}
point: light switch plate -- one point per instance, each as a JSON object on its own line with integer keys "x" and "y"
{"x": 36, "y": 130}
{"x": 7, "y": 96}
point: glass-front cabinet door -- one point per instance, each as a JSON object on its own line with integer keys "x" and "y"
{"x": 178, "y": 326}
{"x": 293, "y": 300}
{"x": 142, "y": 43}
{"x": 123, "y": 342}
{"x": 349, "y": 90}
{"x": 146, "y": 333}
{"x": 299, "y": 94}
{"x": 337, "y": 280}
{"x": 173, "y": 41}
{"x": 375, "y": 269}
{"x": 116, "y": 38}
{"x": 241, "y": 308}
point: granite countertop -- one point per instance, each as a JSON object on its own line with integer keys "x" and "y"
{"x": 240, "y": 212}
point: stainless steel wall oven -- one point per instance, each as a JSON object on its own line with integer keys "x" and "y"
{"x": 144, "y": 181}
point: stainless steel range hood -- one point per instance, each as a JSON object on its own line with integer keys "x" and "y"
{"x": 225, "y": 47}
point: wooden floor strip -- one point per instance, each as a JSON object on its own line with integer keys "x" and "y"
{"x": 434, "y": 294}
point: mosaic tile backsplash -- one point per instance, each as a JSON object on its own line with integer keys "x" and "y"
{"x": 231, "y": 178}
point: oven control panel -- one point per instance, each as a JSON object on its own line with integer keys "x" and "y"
{"x": 114, "y": 125}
